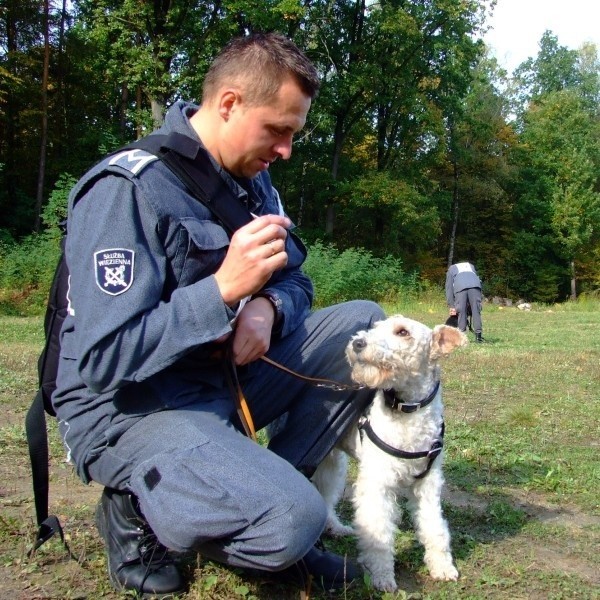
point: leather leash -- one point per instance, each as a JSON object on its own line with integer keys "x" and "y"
{"x": 316, "y": 381}
{"x": 235, "y": 388}
{"x": 241, "y": 403}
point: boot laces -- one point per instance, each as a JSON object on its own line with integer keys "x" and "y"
{"x": 152, "y": 552}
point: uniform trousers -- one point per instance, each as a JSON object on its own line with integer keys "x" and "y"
{"x": 204, "y": 486}
{"x": 471, "y": 296}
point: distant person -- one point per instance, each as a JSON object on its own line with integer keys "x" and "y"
{"x": 463, "y": 289}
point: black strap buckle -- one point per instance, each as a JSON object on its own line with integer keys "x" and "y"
{"x": 435, "y": 449}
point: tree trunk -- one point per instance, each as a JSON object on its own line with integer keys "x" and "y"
{"x": 44, "y": 130}
{"x": 338, "y": 143}
{"x": 138, "y": 102}
{"x": 158, "y": 112}
{"x": 573, "y": 282}
{"x": 455, "y": 212}
{"x": 123, "y": 109}
{"x": 9, "y": 172}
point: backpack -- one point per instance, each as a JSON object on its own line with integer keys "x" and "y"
{"x": 191, "y": 163}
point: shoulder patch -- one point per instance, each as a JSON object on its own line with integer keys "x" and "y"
{"x": 133, "y": 161}
{"x": 114, "y": 270}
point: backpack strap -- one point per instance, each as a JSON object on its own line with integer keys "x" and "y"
{"x": 37, "y": 440}
{"x": 191, "y": 162}
{"x": 35, "y": 421}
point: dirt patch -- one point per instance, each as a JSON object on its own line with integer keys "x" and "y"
{"x": 532, "y": 504}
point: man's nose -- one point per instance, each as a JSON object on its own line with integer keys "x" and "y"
{"x": 284, "y": 148}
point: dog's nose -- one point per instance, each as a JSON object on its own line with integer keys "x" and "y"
{"x": 358, "y": 344}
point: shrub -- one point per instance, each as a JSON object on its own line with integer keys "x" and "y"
{"x": 26, "y": 271}
{"x": 356, "y": 273}
{"x": 27, "y": 266}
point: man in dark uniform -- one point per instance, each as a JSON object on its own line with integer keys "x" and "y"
{"x": 463, "y": 290}
{"x": 157, "y": 290}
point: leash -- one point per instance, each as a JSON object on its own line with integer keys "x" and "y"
{"x": 316, "y": 381}
{"x": 245, "y": 415}
{"x": 241, "y": 403}
{"x": 235, "y": 388}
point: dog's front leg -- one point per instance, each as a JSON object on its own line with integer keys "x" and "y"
{"x": 424, "y": 502}
{"x": 375, "y": 515}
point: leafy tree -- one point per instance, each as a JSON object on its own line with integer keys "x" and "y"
{"x": 563, "y": 146}
{"x": 475, "y": 176}
{"x": 21, "y": 54}
{"x": 388, "y": 67}
{"x": 554, "y": 69}
{"x": 557, "y": 196}
{"x": 386, "y": 216}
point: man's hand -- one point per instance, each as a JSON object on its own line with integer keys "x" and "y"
{"x": 256, "y": 250}
{"x": 452, "y": 312}
{"x": 252, "y": 335}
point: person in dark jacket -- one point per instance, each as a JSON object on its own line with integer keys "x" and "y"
{"x": 158, "y": 291}
{"x": 463, "y": 291}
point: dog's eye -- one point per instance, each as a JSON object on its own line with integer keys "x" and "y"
{"x": 402, "y": 332}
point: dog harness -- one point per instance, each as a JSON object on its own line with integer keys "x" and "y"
{"x": 392, "y": 401}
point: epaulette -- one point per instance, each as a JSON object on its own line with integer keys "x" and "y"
{"x": 134, "y": 160}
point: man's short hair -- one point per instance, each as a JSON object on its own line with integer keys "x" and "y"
{"x": 259, "y": 63}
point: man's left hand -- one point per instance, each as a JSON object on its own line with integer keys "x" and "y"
{"x": 252, "y": 335}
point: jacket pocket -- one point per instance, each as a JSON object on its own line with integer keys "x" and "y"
{"x": 205, "y": 244}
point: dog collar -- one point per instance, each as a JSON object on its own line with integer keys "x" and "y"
{"x": 392, "y": 401}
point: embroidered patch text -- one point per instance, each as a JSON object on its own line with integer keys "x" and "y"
{"x": 114, "y": 270}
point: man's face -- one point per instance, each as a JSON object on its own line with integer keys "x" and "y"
{"x": 256, "y": 136}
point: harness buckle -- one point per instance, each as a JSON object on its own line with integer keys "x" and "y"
{"x": 436, "y": 449}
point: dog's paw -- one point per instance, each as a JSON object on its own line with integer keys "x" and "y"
{"x": 336, "y": 528}
{"x": 384, "y": 583}
{"x": 444, "y": 572}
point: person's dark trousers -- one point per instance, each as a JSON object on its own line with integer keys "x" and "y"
{"x": 471, "y": 296}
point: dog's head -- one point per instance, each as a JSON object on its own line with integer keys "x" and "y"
{"x": 452, "y": 321}
{"x": 398, "y": 349}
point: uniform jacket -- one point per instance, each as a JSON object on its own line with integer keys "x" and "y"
{"x": 144, "y": 306}
{"x": 460, "y": 276}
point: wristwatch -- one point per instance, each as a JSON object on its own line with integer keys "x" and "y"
{"x": 275, "y": 301}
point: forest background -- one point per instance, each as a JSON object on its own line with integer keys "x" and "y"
{"x": 420, "y": 150}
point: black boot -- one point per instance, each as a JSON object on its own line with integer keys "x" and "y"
{"x": 136, "y": 559}
{"x": 478, "y": 337}
{"x": 326, "y": 570}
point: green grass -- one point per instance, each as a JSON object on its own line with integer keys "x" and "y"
{"x": 522, "y": 470}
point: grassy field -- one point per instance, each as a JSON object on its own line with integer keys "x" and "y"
{"x": 522, "y": 470}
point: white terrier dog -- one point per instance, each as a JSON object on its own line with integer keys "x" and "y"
{"x": 397, "y": 444}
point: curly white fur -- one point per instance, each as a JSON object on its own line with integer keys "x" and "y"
{"x": 400, "y": 354}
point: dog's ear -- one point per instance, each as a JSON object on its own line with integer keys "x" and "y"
{"x": 445, "y": 339}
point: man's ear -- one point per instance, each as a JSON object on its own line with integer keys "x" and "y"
{"x": 228, "y": 102}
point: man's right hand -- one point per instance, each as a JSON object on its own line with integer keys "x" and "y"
{"x": 256, "y": 250}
